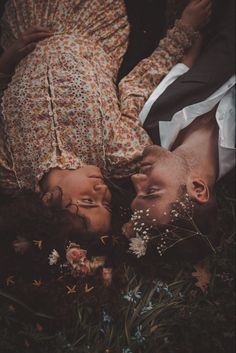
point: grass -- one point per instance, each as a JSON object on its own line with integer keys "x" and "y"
{"x": 150, "y": 315}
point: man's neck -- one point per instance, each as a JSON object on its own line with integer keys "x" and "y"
{"x": 198, "y": 144}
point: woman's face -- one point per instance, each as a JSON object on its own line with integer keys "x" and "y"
{"x": 85, "y": 190}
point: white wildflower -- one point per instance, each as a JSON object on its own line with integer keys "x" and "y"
{"x": 148, "y": 307}
{"x": 53, "y": 257}
{"x": 138, "y": 246}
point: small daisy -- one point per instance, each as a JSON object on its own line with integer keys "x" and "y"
{"x": 53, "y": 257}
{"x": 137, "y": 246}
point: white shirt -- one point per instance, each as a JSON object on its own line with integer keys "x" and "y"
{"x": 225, "y": 117}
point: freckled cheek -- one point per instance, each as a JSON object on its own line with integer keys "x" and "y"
{"x": 103, "y": 220}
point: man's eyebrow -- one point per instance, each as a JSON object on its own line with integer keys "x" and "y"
{"x": 149, "y": 197}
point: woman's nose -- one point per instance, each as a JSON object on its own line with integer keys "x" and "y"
{"x": 139, "y": 181}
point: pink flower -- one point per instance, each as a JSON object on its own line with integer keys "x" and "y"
{"x": 128, "y": 230}
{"x": 75, "y": 255}
{"x": 21, "y": 245}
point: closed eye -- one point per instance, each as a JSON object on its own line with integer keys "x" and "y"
{"x": 145, "y": 168}
{"x": 152, "y": 190}
{"x": 88, "y": 200}
{"x": 89, "y": 203}
{"x": 150, "y": 196}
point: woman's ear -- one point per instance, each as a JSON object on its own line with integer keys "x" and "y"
{"x": 198, "y": 190}
{"x": 52, "y": 197}
{"x": 47, "y": 198}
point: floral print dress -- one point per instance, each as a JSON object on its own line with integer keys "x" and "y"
{"x": 62, "y": 107}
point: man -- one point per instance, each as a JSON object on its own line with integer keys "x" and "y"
{"x": 191, "y": 115}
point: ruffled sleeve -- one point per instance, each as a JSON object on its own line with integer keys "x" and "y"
{"x": 8, "y": 183}
{"x": 137, "y": 86}
{"x": 129, "y": 138}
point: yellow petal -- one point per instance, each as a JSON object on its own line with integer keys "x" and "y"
{"x": 37, "y": 283}
{"x": 71, "y": 290}
{"x": 88, "y": 289}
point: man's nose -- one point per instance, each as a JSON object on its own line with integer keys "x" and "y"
{"x": 101, "y": 188}
{"x": 139, "y": 181}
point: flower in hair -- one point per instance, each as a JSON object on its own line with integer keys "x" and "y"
{"x": 77, "y": 259}
{"x": 75, "y": 255}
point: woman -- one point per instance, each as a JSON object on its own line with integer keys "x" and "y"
{"x": 64, "y": 122}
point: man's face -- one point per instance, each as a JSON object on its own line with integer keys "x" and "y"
{"x": 157, "y": 185}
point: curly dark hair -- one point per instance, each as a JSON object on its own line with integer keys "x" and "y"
{"x": 25, "y": 218}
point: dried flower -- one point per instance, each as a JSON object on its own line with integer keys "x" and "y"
{"x": 77, "y": 259}
{"x": 21, "y": 245}
{"x": 81, "y": 265}
{"x": 71, "y": 290}
{"x": 128, "y": 230}
{"x": 38, "y": 243}
{"x": 88, "y": 289}
{"x": 104, "y": 239}
{"x": 37, "y": 283}
{"x": 75, "y": 255}
{"x": 10, "y": 281}
{"x": 97, "y": 261}
{"x": 107, "y": 276}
